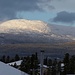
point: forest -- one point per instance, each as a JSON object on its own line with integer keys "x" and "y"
{"x": 31, "y": 64}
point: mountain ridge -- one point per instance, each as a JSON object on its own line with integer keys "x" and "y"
{"x": 22, "y": 25}
{"x": 32, "y": 31}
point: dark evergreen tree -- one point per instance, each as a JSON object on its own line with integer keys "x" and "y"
{"x": 59, "y": 66}
{"x": 53, "y": 70}
{"x": 15, "y": 65}
{"x": 17, "y": 57}
{"x": 54, "y": 67}
{"x": 22, "y": 66}
{"x": 8, "y": 59}
{"x": 48, "y": 71}
{"x": 66, "y": 63}
{"x": 45, "y": 61}
{"x": 12, "y": 60}
{"x": 72, "y": 65}
{"x": 36, "y": 57}
{"x": 4, "y": 58}
{"x": 49, "y": 62}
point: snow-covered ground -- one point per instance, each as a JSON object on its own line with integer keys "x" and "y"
{"x": 21, "y": 25}
{"x": 17, "y": 62}
{"x": 62, "y": 65}
{"x": 8, "y": 70}
{"x": 44, "y": 66}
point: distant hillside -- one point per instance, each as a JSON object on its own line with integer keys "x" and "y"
{"x": 27, "y": 49}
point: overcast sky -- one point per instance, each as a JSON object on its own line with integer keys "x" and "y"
{"x": 50, "y": 11}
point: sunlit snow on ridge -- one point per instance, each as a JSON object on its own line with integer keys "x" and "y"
{"x": 21, "y": 25}
{"x": 34, "y": 27}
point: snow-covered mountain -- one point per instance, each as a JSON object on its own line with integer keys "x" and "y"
{"x": 31, "y": 31}
{"x": 24, "y": 26}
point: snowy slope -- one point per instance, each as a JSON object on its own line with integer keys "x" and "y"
{"x": 8, "y": 70}
{"x": 64, "y": 30}
{"x": 21, "y": 25}
{"x": 17, "y": 62}
{"x": 67, "y": 31}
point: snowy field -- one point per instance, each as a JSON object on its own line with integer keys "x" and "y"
{"x": 8, "y": 70}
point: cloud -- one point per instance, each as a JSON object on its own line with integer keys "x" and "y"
{"x": 45, "y": 5}
{"x": 9, "y": 8}
{"x": 64, "y": 17}
{"x": 63, "y": 5}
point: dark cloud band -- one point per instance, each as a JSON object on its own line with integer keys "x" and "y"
{"x": 65, "y": 17}
{"x": 9, "y": 8}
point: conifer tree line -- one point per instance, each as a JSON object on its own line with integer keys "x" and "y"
{"x": 8, "y": 59}
{"x": 31, "y": 64}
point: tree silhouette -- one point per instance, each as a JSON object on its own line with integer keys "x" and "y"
{"x": 72, "y": 64}
{"x": 4, "y": 58}
{"x": 17, "y": 57}
{"x": 66, "y": 63}
{"x": 8, "y": 59}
